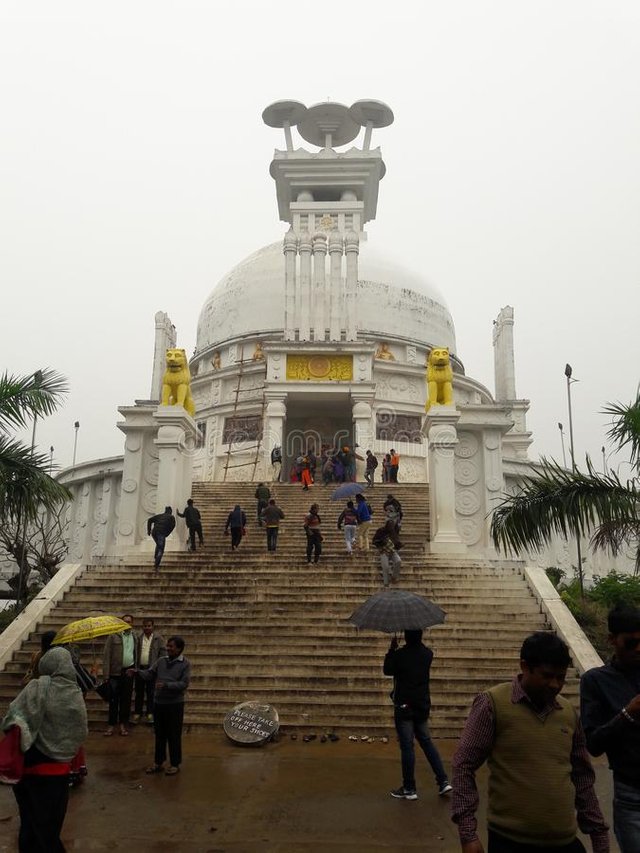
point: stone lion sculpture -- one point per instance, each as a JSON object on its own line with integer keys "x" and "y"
{"x": 176, "y": 382}
{"x": 439, "y": 378}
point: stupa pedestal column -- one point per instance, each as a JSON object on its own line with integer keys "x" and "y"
{"x": 440, "y": 428}
{"x": 138, "y": 476}
{"x": 275, "y": 416}
{"x": 176, "y": 442}
{"x": 362, "y": 431}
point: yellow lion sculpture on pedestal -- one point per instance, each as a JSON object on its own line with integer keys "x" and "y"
{"x": 439, "y": 378}
{"x": 176, "y": 382}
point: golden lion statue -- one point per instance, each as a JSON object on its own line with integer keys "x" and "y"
{"x": 176, "y": 382}
{"x": 439, "y": 378}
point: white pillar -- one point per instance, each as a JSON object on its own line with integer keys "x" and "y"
{"x": 290, "y": 248}
{"x": 504, "y": 362}
{"x": 352, "y": 248}
{"x": 176, "y": 442}
{"x": 319, "y": 285}
{"x": 304, "y": 249}
{"x": 362, "y": 431}
{"x": 335, "y": 254}
{"x": 440, "y": 428}
{"x": 140, "y": 429}
{"x": 165, "y": 339}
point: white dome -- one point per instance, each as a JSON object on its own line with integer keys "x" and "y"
{"x": 392, "y": 302}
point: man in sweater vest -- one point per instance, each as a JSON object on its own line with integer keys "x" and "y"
{"x": 610, "y": 708}
{"x": 540, "y": 775}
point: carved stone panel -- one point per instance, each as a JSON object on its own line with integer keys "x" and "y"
{"x": 395, "y": 386}
{"x": 395, "y": 428}
{"x": 242, "y": 429}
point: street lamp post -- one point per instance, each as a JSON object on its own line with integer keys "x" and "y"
{"x": 76, "y": 426}
{"x": 50, "y": 460}
{"x": 604, "y": 461}
{"x": 564, "y": 452}
{"x": 568, "y": 372}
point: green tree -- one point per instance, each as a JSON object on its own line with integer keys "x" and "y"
{"x": 556, "y": 501}
{"x": 25, "y": 484}
{"x": 26, "y": 487}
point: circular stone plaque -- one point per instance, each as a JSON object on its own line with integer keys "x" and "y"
{"x": 251, "y": 724}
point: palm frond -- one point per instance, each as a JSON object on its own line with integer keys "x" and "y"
{"x": 557, "y": 501}
{"x": 24, "y": 484}
{"x": 615, "y": 535}
{"x": 23, "y": 397}
{"x": 625, "y": 427}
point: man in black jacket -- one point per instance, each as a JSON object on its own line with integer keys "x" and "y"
{"x": 410, "y": 668}
{"x": 192, "y": 519}
{"x": 610, "y": 713}
{"x": 159, "y": 527}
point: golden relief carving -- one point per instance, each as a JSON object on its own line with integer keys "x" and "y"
{"x": 320, "y": 368}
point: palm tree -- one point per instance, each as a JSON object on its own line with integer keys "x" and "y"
{"x": 25, "y": 485}
{"x": 578, "y": 503}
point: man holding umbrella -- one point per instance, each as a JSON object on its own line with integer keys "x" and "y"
{"x": 410, "y": 667}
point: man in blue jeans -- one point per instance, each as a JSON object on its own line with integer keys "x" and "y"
{"x": 610, "y": 712}
{"x": 159, "y": 527}
{"x": 410, "y": 666}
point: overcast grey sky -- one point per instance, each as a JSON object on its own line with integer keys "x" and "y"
{"x": 134, "y": 174}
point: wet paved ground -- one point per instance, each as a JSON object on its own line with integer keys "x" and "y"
{"x": 286, "y": 797}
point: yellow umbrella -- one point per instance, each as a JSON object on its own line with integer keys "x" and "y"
{"x": 89, "y": 628}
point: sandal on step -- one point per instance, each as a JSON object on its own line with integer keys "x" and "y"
{"x": 155, "y": 768}
{"x": 108, "y": 733}
{"x": 171, "y": 771}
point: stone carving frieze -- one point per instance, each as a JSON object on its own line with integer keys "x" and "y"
{"x": 242, "y": 429}
{"x": 250, "y": 388}
{"x": 319, "y": 368}
{"x": 467, "y": 502}
{"x": 395, "y": 386}
{"x": 394, "y": 428}
{"x": 467, "y": 445}
{"x": 470, "y": 530}
{"x": 466, "y": 472}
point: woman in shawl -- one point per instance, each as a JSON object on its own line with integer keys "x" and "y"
{"x": 52, "y": 718}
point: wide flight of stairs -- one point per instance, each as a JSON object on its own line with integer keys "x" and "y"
{"x": 271, "y": 628}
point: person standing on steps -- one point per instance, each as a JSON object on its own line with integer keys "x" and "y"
{"x": 159, "y": 527}
{"x": 348, "y": 523}
{"x": 363, "y": 511}
{"x": 305, "y": 474}
{"x": 385, "y": 539}
{"x": 149, "y": 647}
{"x": 393, "y": 510}
{"x": 410, "y": 667}
{"x": 118, "y": 658}
{"x": 540, "y": 775}
{"x": 172, "y": 674}
{"x": 192, "y": 519}
{"x": 312, "y": 523}
{"x": 394, "y": 464}
{"x": 371, "y": 464}
{"x": 262, "y": 495}
{"x": 610, "y": 714}
{"x": 237, "y": 524}
{"x": 272, "y": 515}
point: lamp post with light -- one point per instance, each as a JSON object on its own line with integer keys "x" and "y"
{"x": 568, "y": 373}
{"x": 564, "y": 452}
{"x": 76, "y": 427}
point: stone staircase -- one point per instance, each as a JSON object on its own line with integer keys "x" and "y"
{"x": 271, "y": 628}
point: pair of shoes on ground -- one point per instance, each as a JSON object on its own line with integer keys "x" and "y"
{"x": 411, "y": 794}
{"x": 159, "y": 768}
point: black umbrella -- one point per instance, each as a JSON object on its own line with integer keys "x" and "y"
{"x": 395, "y": 610}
